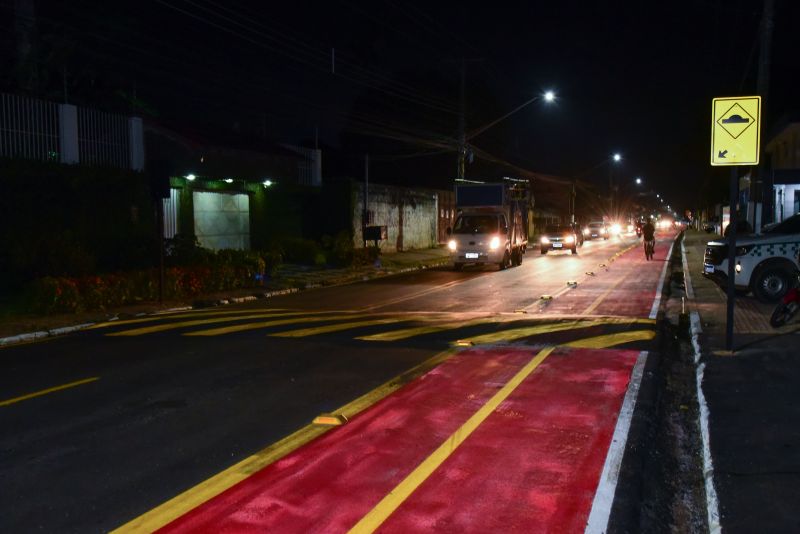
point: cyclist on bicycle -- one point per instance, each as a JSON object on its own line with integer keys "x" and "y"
{"x": 649, "y": 238}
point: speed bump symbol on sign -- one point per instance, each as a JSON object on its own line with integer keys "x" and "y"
{"x": 736, "y": 130}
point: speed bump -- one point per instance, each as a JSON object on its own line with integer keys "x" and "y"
{"x": 330, "y": 419}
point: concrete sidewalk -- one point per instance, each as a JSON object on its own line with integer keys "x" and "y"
{"x": 753, "y": 431}
{"x": 288, "y": 278}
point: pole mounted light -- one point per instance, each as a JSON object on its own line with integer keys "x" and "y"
{"x": 548, "y": 96}
{"x": 638, "y": 181}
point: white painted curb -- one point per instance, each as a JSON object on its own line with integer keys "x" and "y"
{"x": 712, "y": 501}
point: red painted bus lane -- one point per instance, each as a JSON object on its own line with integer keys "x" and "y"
{"x": 531, "y": 465}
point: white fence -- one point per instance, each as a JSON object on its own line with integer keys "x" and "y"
{"x": 36, "y": 129}
{"x": 28, "y": 128}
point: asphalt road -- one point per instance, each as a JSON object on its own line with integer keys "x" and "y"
{"x": 106, "y": 424}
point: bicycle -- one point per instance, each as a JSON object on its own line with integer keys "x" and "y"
{"x": 649, "y": 248}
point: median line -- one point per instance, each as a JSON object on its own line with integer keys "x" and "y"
{"x": 48, "y": 391}
{"x": 210, "y": 488}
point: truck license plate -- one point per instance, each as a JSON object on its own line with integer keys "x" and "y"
{"x": 708, "y": 269}
{"x": 471, "y": 255}
{"x": 556, "y": 245}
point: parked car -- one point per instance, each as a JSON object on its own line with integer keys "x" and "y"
{"x": 765, "y": 263}
{"x": 559, "y": 237}
{"x": 597, "y": 229}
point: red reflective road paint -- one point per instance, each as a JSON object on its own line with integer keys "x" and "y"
{"x": 533, "y": 464}
{"x": 626, "y": 289}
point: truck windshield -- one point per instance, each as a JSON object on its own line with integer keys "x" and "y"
{"x": 475, "y": 224}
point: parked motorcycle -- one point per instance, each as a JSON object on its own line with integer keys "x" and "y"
{"x": 788, "y": 306}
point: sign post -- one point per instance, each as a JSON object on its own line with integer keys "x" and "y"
{"x": 735, "y": 141}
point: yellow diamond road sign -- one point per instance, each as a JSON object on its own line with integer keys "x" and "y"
{"x": 736, "y": 130}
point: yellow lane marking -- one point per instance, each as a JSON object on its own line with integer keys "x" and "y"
{"x": 49, "y": 390}
{"x": 268, "y": 324}
{"x": 197, "y": 322}
{"x": 609, "y": 340}
{"x": 420, "y": 330}
{"x": 518, "y": 333}
{"x": 387, "y": 506}
{"x": 603, "y": 296}
{"x": 181, "y": 315}
{"x": 194, "y": 497}
{"x": 415, "y": 295}
{"x": 335, "y": 327}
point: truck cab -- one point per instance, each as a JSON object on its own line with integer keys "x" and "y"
{"x": 490, "y": 227}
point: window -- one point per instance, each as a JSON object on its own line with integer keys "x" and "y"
{"x": 476, "y": 224}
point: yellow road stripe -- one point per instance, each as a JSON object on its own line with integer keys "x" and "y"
{"x": 196, "y": 322}
{"x": 267, "y": 324}
{"x": 194, "y": 497}
{"x": 379, "y": 514}
{"x": 49, "y": 390}
{"x": 334, "y": 328}
{"x": 420, "y": 330}
{"x": 518, "y": 333}
{"x": 602, "y": 297}
{"x": 177, "y": 315}
{"x": 609, "y": 340}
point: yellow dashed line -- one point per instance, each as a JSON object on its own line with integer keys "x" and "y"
{"x": 49, "y": 390}
{"x": 610, "y": 340}
{"x": 196, "y": 322}
{"x": 406, "y": 333}
{"x": 268, "y": 324}
{"x": 181, "y": 315}
{"x": 334, "y": 328}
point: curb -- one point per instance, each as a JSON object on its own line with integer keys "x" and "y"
{"x": 712, "y": 500}
{"x": 202, "y": 304}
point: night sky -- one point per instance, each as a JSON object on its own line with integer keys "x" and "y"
{"x": 631, "y": 76}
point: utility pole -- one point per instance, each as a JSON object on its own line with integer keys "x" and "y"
{"x": 462, "y": 134}
{"x": 762, "y": 89}
{"x": 364, "y": 212}
{"x": 610, "y": 191}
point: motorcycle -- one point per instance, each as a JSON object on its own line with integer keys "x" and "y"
{"x": 787, "y": 307}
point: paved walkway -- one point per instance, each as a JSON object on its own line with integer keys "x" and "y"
{"x": 754, "y": 416}
{"x": 15, "y": 328}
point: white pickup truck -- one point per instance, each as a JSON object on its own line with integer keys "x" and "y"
{"x": 766, "y": 263}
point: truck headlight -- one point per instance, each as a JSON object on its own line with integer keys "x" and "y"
{"x": 452, "y": 245}
{"x": 615, "y": 229}
{"x": 494, "y": 243}
{"x": 585, "y": 231}
{"x": 569, "y": 239}
{"x": 545, "y": 241}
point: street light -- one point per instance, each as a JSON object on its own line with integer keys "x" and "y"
{"x": 638, "y": 181}
{"x": 616, "y": 158}
{"x": 548, "y": 96}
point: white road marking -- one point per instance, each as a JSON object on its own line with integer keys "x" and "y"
{"x": 604, "y": 496}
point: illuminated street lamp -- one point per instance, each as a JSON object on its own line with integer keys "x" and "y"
{"x": 638, "y": 181}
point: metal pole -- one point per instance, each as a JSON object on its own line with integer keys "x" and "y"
{"x": 734, "y": 194}
{"x": 462, "y": 135}
{"x": 610, "y": 191}
{"x": 365, "y": 212}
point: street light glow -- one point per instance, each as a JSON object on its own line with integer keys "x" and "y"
{"x": 638, "y": 181}
{"x": 549, "y": 96}
{"x": 190, "y": 177}
{"x": 617, "y": 156}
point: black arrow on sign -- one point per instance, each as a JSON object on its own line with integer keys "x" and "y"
{"x": 722, "y": 153}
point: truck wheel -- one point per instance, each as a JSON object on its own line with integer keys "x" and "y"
{"x": 519, "y": 257}
{"x": 506, "y": 260}
{"x": 574, "y": 250}
{"x": 771, "y": 284}
{"x": 544, "y": 251}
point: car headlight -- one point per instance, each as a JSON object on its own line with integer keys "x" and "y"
{"x": 615, "y": 229}
{"x": 585, "y": 231}
{"x": 569, "y": 239}
{"x": 630, "y": 228}
{"x": 545, "y": 241}
{"x": 494, "y": 243}
{"x": 452, "y": 245}
{"x": 602, "y": 230}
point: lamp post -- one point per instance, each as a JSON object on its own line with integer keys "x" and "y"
{"x": 616, "y": 158}
{"x": 547, "y": 96}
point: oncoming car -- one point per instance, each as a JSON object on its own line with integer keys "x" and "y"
{"x": 559, "y": 237}
{"x": 596, "y": 230}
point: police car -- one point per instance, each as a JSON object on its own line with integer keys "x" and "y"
{"x": 766, "y": 263}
